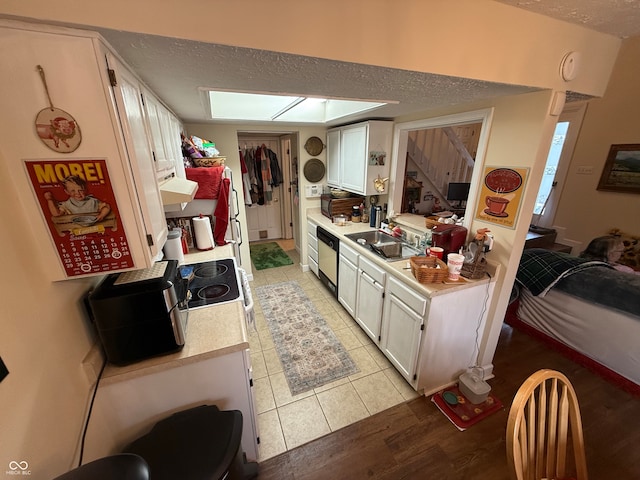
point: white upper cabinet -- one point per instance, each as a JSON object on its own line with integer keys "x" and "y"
{"x": 165, "y": 131}
{"x": 128, "y": 96}
{"x": 357, "y": 155}
{"x": 113, "y": 156}
{"x": 333, "y": 158}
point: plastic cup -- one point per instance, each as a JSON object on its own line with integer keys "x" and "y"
{"x": 454, "y": 264}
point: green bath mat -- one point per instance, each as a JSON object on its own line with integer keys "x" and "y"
{"x": 268, "y": 255}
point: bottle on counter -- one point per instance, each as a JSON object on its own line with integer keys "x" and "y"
{"x": 378, "y": 220}
{"x": 372, "y": 216}
{"x": 355, "y": 214}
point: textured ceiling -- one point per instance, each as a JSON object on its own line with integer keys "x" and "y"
{"x": 177, "y": 69}
{"x": 620, "y": 18}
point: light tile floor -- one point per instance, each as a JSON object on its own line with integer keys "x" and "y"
{"x": 286, "y": 421}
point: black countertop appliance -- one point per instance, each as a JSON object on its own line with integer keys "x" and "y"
{"x": 136, "y": 313}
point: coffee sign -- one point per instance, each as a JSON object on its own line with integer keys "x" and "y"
{"x": 501, "y": 195}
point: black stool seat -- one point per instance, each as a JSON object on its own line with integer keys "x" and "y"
{"x": 123, "y": 467}
{"x": 201, "y": 443}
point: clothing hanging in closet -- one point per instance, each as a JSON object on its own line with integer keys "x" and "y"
{"x": 264, "y": 173}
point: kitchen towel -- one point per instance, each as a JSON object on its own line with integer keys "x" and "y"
{"x": 221, "y": 213}
{"x": 203, "y": 233}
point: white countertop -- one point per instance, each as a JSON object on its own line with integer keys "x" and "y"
{"x": 211, "y": 332}
{"x": 400, "y": 269}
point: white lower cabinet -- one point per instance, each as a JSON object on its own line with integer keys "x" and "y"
{"x": 430, "y": 340}
{"x": 347, "y": 278}
{"x": 370, "y": 298}
{"x": 126, "y": 409}
{"x": 402, "y": 324}
{"x": 312, "y": 247}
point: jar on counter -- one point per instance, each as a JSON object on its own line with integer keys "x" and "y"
{"x": 356, "y": 216}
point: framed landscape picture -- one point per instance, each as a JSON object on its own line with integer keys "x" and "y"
{"x": 621, "y": 172}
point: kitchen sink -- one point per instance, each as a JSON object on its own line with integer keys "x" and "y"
{"x": 385, "y": 246}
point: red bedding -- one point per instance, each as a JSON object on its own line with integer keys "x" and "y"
{"x": 208, "y": 179}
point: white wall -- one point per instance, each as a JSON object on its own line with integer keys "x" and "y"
{"x": 479, "y": 39}
{"x": 583, "y": 211}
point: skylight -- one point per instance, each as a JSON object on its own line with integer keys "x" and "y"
{"x": 284, "y": 108}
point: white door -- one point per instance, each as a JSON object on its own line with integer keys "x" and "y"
{"x": 264, "y": 222}
{"x": 402, "y": 328}
{"x": 400, "y": 336}
{"x": 353, "y": 156}
{"x": 558, "y": 160}
{"x": 333, "y": 158}
{"x": 347, "y": 277}
{"x": 127, "y": 94}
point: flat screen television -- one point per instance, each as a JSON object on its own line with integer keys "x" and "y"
{"x": 458, "y": 192}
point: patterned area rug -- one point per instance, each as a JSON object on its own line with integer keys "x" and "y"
{"x": 310, "y": 353}
{"x": 268, "y": 255}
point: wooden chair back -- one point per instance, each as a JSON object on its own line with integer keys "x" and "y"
{"x": 543, "y": 417}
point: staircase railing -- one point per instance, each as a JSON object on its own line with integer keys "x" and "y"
{"x": 442, "y": 155}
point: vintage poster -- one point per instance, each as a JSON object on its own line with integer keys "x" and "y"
{"x": 78, "y": 203}
{"x": 501, "y": 195}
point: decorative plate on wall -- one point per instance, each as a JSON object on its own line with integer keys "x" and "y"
{"x": 314, "y": 146}
{"x": 314, "y": 170}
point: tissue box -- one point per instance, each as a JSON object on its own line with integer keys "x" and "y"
{"x": 474, "y": 388}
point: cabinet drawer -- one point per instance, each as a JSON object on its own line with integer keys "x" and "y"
{"x": 312, "y": 228}
{"x": 411, "y": 299}
{"x": 313, "y": 254}
{"x": 312, "y": 241}
{"x": 313, "y": 265}
{"x": 372, "y": 270}
{"x": 349, "y": 253}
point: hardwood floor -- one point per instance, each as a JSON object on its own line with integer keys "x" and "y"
{"x": 415, "y": 441}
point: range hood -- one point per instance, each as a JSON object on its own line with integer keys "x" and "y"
{"x": 177, "y": 190}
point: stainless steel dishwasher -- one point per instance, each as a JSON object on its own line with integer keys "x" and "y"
{"x": 328, "y": 247}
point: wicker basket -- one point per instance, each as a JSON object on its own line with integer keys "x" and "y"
{"x": 209, "y": 161}
{"x": 431, "y": 222}
{"x": 425, "y": 269}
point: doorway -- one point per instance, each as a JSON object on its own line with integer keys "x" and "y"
{"x": 270, "y": 211}
{"x": 557, "y": 166}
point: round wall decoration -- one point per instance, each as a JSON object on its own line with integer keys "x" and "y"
{"x": 314, "y": 146}
{"x": 314, "y": 170}
{"x": 57, "y": 129}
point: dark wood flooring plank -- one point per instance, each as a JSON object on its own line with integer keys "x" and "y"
{"x": 415, "y": 441}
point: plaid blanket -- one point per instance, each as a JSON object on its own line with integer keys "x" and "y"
{"x": 541, "y": 269}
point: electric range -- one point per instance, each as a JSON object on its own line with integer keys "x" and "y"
{"x": 212, "y": 282}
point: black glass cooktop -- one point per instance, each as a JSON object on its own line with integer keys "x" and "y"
{"x": 212, "y": 282}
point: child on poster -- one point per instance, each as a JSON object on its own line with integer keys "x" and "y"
{"x": 79, "y": 201}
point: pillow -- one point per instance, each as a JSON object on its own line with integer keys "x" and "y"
{"x": 631, "y": 254}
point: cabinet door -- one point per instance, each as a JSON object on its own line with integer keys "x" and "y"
{"x": 353, "y": 155}
{"x": 129, "y": 100}
{"x": 401, "y": 330}
{"x": 165, "y": 134}
{"x": 152, "y": 108}
{"x": 369, "y": 305}
{"x": 333, "y": 158}
{"x": 347, "y": 284}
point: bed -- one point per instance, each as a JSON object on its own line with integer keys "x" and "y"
{"x": 587, "y": 306}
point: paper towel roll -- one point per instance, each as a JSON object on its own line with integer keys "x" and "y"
{"x": 173, "y": 246}
{"x": 203, "y": 233}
